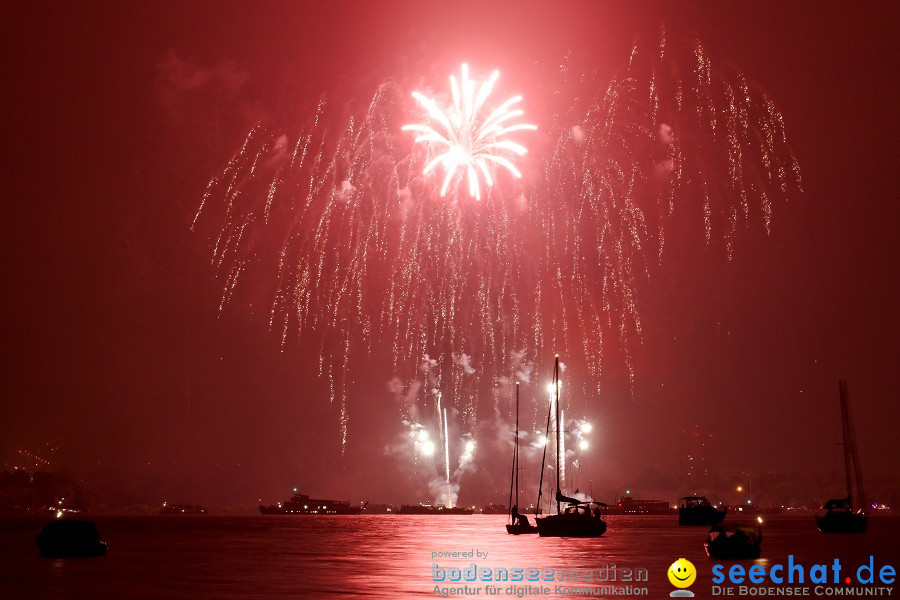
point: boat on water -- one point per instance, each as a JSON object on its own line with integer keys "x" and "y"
{"x": 518, "y": 523}
{"x": 839, "y": 516}
{"x": 67, "y": 538}
{"x": 182, "y": 509}
{"x": 846, "y": 515}
{"x": 301, "y": 504}
{"x": 734, "y": 541}
{"x": 578, "y": 518}
{"x": 434, "y": 509}
{"x": 627, "y": 505}
{"x": 698, "y": 510}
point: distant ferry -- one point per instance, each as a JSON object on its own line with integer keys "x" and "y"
{"x": 629, "y": 506}
{"x": 433, "y": 509}
{"x": 182, "y": 509}
{"x": 301, "y": 504}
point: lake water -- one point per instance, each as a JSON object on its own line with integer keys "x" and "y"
{"x": 385, "y": 556}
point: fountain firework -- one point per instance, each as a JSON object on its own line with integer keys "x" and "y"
{"x": 369, "y": 249}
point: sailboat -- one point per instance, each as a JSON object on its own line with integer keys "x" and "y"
{"x": 518, "y": 524}
{"x": 838, "y": 515}
{"x": 578, "y": 518}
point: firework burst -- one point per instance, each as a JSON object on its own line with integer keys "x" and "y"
{"x": 470, "y": 141}
{"x": 336, "y": 220}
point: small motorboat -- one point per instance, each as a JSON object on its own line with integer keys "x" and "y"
{"x": 698, "y": 510}
{"x": 733, "y": 541}
{"x": 70, "y": 538}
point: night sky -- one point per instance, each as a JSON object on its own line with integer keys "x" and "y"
{"x": 116, "y": 116}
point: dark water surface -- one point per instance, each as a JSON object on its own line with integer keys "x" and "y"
{"x": 384, "y": 556}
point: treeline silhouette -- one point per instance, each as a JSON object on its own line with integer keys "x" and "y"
{"x": 22, "y": 492}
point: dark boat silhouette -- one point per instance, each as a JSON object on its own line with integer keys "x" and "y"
{"x": 518, "y": 523}
{"x": 838, "y": 516}
{"x": 733, "y": 541}
{"x": 698, "y": 510}
{"x": 70, "y": 538}
{"x": 579, "y": 518}
{"x": 301, "y": 504}
{"x": 841, "y": 515}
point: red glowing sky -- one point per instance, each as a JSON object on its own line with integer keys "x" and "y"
{"x": 117, "y": 115}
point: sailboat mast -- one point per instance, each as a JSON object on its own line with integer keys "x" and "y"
{"x": 845, "y": 434}
{"x": 544, "y": 459}
{"x": 556, "y": 397}
{"x": 517, "y": 444}
{"x": 515, "y": 461}
{"x": 851, "y": 453}
{"x": 860, "y": 488}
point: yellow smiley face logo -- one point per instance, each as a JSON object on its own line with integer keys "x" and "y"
{"x": 682, "y": 573}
